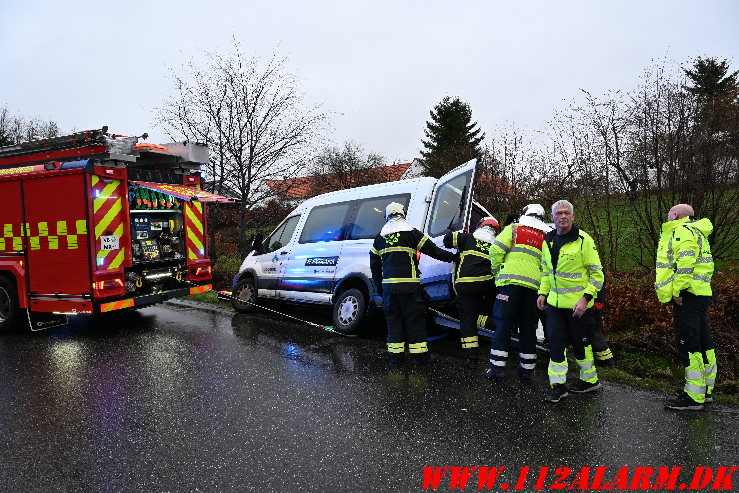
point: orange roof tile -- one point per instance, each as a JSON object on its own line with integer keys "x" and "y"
{"x": 309, "y": 186}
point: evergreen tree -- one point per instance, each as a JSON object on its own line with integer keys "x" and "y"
{"x": 710, "y": 79}
{"x": 452, "y": 137}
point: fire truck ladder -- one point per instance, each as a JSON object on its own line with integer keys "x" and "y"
{"x": 64, "y": 148}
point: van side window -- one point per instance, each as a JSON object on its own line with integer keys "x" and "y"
{"x": 281, "y": 235}
{"x": 325, "y": 223}
{"x": 448, "y": 206}
{"x": 370, "y": 216}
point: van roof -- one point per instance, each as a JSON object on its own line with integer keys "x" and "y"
{"x": 423, "y": 183}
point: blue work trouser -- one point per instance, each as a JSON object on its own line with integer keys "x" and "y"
{"x": 514, "y": 305}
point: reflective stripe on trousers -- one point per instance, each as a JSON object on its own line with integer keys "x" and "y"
{"x": 470, "y": 342}
{"x": 710, "y": 370}
{"x": 395, "y": 347}
{"x": 417, "y": 347}
{"x": 557, "y": 372}
{"x": 588, "y": 373}
{"x": 695, "y": 379}
{"x": 527, "y": 361}
{"x": 498, "y": 358}
{"x": 603, "y": 355}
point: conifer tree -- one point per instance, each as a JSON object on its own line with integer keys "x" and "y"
{"x": 452, "y": 137}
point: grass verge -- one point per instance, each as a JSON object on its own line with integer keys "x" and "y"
{"x": 209, "y": 297}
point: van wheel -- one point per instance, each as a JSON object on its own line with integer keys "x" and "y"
{"x": 9, "y": 309}
{"x": 244, "y": 296}
{"x": 350, "y": 310}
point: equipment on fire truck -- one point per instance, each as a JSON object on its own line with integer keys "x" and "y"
{"x": 93, "y": 222}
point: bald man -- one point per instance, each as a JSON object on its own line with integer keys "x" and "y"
{"x": 684, "y": 271}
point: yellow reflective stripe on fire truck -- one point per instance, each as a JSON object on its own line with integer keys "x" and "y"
{"x": 194, "y": 213}
{"x": 116, "y": 305}
{"x": 107, "y": 205}
{"x": 109, "y": 216}
{"x": 201, "y": 289}
{"x": 46, "y": 237}
{"x": 118, "y": 259}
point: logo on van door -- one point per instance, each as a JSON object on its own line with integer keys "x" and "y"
{"x": 322, "y": 261}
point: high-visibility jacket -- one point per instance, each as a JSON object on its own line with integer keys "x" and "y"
{"x": 394, "y": 260}
{"x": 684, "y": 260}
{"x": 578, "y": 271}
{"x": 515, "y": 256}
{"x": 474, "y": 258}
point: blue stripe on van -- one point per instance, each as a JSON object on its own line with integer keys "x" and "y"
{"x": 309, "y": 285}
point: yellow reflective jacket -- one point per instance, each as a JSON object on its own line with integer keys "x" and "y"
{"x": 684, "y": 260}
{"x": 515, "y": 256}
{"x": 578, "y": 271}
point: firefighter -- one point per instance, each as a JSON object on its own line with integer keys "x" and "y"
{"x": 394, "y": 266}
{"x": 474, "y": 283}
{"x": 684, "y": 271}
{"x": 515, "y": 258}
{"x": 571, "y": 278}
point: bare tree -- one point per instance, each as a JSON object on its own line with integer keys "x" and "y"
{"x": 253, "y": 117}
{"x": 17, "y": 128}
{"x": 337, "y": 168}
{"x": 636, "y": 154}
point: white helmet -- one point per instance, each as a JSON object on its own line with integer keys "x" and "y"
{"x": 535, "y": 210}
{"x": 394, "y": 209}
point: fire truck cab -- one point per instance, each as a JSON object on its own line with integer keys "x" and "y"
{"x": 93, "y": 222}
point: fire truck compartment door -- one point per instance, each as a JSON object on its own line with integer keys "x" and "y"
{"x": 184, "y": 192}
{"x": 56, "y": 235}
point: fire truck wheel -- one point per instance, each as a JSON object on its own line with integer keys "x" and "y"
{"x": 9, "y": 309}
{"x": 349, "y": 311}
{"x": 245, "y": 294}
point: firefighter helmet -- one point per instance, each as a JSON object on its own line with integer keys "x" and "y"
{"x": 394, "y": 209}
{"x": 535, "y": 210}
{"x": 489, "y": 222}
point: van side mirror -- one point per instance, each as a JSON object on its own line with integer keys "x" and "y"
{"x": 257, "y": 243}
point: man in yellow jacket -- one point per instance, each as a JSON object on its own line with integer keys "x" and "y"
{"x": 684, "y": 270}
{"x": 572, "y": 275}
{"x": 515, "y": 258}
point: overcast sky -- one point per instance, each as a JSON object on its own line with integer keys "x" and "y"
{"x": 379, "y": 66}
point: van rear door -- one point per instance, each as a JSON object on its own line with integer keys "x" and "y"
{"x": 451, "y": 205}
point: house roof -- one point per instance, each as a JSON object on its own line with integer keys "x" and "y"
{"x": 497, "y": 184}
{"x": 309, "y": 186}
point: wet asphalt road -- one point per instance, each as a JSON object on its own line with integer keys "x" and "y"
{"x": 186, "y": 397}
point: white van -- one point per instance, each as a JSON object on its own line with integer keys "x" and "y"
{"x": 320, "y": 252}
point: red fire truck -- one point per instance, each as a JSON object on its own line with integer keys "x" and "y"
{"x": 94, "y": 222}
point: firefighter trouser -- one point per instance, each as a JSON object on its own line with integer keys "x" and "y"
{"x": 514, "y": 305}
{"x": 563, "y": 329}
{"x": 695, "y": 345}
{"x": 406, "y": 323}
{"x": 475, "y": 307}
{"x": 601, "y": 350}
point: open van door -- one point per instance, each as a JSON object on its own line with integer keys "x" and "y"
{"x": 450, "y": 209}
